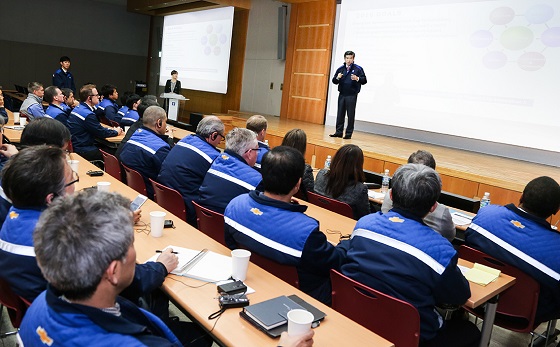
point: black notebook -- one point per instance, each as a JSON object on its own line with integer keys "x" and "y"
{"x": 271, "y": 316}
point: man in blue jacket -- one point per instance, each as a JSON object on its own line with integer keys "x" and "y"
{"x": 399, "y": 255}
{"x": 187, "y": 163}
{"x": 521, "y": 236}
{"x": 350, "y": 77}
{"x": 147, "y": 148}
{"x": 232, "y": 173}
{"x": 108, "y": 107}
{"x": 62, "y": 78}
{"x": 85, "y": 127}
{"x": 270, "y": 224}
{"x": 57, "y": 108}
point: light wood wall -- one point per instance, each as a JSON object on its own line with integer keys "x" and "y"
{"x": 308, "y": 59}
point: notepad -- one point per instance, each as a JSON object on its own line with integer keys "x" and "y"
{"x": 203, "y": 265}
{"x": 482, "y": 274}
{"x": 375, "y": 195}
{"x": 461, "y": 219}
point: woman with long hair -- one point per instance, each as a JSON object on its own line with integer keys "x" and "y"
{"x": 296, "y": 138}
{"x": 345, "y": 180}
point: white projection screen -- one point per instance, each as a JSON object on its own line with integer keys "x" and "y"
{"x": 484, "y": 70}
{"x": 198, "y": 45}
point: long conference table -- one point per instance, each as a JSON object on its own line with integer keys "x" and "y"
{"x": 200, "y": 302}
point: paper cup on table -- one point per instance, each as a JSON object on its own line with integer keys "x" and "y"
{"x": 239, "y": 263}
{"x": 299, "y": 322}
{"x": 16, "y": 117}
{"x": 103, "y": 186}
{"x": 74, "y": 165}
{"x": 22, "y": 121}
{"x": 157, "y": 218}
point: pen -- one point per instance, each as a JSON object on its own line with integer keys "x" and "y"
{"x": 158, "y": 251}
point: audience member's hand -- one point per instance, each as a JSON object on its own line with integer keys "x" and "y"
{"x": 296, "y": 341}
{"x": 118, "y": 129}
{"x": 76, "y": 103}
{"x": 168, "y": 259}
{"x": 8, "y": 150}
{"x": 136, "y": 215}
{"x": 169, "y": 131}
{"x": 339, "y": 76}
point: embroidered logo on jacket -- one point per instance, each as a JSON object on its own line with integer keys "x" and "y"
{"x": 14, "y": 215}
{"x": 256, "y": 211}
{"x": 517, "y": 224}
{"x": 44, "y": 336}
{"x": 225, "y": 157}
{"x": 396, "y": 219}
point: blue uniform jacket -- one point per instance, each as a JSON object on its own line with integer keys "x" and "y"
{"x": 397, "y": 254}
{"x": 109, "y": 109}
{"x": 526, "y": 242}
{"x": 263, "y": 148}
{"x": 63, "y": 79}
{"x": 85, "y": 127}
{"x": 129, "y": 117}
{"x": 55, "y": 322}
{"x": 282, "y": 232}
{"x": 58, "y": 112}
{"x": 144, "y": 152}
{"x": 185, "y": 167}
{"x": 346, "y": 86}
{"x": 228, "y": 176}
{"x": 17, "y": 255}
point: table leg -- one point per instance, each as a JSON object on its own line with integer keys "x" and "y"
{"x": 488, "y": 324}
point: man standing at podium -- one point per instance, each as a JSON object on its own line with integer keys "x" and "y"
{"x": 349, "y": 78}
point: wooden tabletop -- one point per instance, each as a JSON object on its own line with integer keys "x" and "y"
{"x": 480, "y": 294}
{"x": 231, "y": 329}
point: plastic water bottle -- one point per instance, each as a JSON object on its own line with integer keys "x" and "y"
{"x": 385, "y": 182}
{"x": 485, "y": 201}
{"x": 266, "y": 142}
{"x": 328, "y": 162}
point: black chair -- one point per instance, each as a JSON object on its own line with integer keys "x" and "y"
{"x": 459, "y": 201}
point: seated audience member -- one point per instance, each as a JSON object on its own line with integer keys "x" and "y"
{"x": 85, "y": 127}
{"x": 57, "y": 108}
{"x": 147, "y": 148}
{"x": 187, "y": 163}
{"x": 108, "y": 107}
{"x": 259, "y": 124}
{"x": 146, "y": 101}
{"x": 296, "y": 138}
{"x": 345, "y": 180}
{"x": 273, "y": 226}
{"x": 62, "y": 78}
{"x": 397, "y": 254}
{"x": 522, "y": 237}
{"x": 131, "y": 114}
{"x": 32, "y": 106}
{"x": 3, "y": 113}
{"x": 124, "y": 109}
{"x": 69, "y": 99}
{"x": 90, "y": 234}
{"x": 231, "y": 174}
{"x": 6, "y": 149}
{"x": 440, "y": 219}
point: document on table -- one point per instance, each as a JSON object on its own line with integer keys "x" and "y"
{"x": 461, "y": 219}
{"x": 375, "y": 195}
{"x": 482, "y": 274}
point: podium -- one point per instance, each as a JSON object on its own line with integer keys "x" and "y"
{"x": 173, "y": 102}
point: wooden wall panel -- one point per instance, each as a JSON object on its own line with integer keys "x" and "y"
{"x": 499, "y": 196}
{"x": 308, "y": 86}
{"x": 313, "y": 36}
{"x": 307, "y": 109}
{"x": 459, "y": 186}
{"x": 321, "y": 154}
{"x": 391, "y": 166}
{"x": 274, "y": 140}
{"x": 309, "y": 154}
{"x": 372, "y": 164}
{"x": 310, "y": 62}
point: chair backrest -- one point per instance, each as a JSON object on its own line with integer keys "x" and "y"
{"x": 112, "y": 165}
{"x": 210, "y": 223}
{"x": 459, "y": 201}
{"x": 391, "y": 318}
{"x": 135, "y": 180}
{"x": 15, "y": 305}
{"x": 330, "y": 204}
{"x": 169, "y": 199}
{"x": 518, "y": 304}
{"x": 286, "y": 273}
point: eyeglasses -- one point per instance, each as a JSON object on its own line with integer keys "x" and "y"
{"x": 253, "y": 149}
{"x": 75, "y": 179}
{"x": 92, "y": 95}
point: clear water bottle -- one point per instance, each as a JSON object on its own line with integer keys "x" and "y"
{"x": 328, "y": 162}
{"x": 266, "y": 142}
{"x": 385, "y": 182}
{"x": 485, "y": 201}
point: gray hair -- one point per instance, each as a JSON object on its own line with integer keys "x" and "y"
{"x": 33, "y": 86}
{"x": 209, "y": 125}
{"x": 78, "y": 237}
{"x": 416, "y": 188}
{"x": 240, "y": 140}
{"x": 153, "y": 114}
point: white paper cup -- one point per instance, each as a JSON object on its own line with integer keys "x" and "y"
{"x": 239, "y": 263}
{"x": 74, "y": 165}
{"x": 16, "y": 117}
{"x": 157, "y": 218}
{"x": 299, "y": 322}
{"x": 22, "y": 121}
{"x": 103, "y": 186}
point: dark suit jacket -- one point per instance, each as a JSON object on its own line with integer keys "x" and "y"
{"x": 176, "y": 90}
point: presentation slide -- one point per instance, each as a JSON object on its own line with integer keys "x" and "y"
{"x": 198, "y": 45}
{"x": 486, "y": 70}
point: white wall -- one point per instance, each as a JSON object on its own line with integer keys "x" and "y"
{"x": 261, "y": 64}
